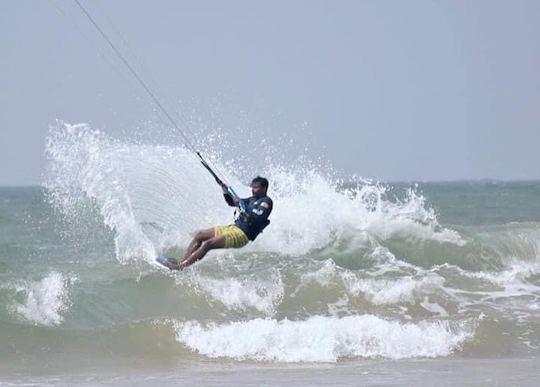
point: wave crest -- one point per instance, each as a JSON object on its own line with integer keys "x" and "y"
{"x": 324, "y": 339}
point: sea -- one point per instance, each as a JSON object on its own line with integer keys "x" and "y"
{"x": 355, "y": 281}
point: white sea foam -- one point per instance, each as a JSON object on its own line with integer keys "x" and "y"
{"x": 311, "y": 212}
{"x": 386, "y": 291}
{"x": 324, "y": 339}
{"x": 512, "y": 280}
{"x": 46, "y": 300}
{"x": 242, "y": 292}
{"x": 510, "y": 291}
{"x": 379, "y": 291}
{"x": 323, "y": 276}
{"x": 433, "y": 307}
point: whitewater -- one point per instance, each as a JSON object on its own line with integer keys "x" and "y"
{"x": 351, "y": 273}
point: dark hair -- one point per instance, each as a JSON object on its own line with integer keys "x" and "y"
{"x": 261, "y": 180}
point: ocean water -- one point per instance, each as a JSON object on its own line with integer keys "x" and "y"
{"x": 354, "y": 282}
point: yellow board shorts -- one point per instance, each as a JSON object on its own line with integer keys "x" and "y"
{"x": 234, "y": 236}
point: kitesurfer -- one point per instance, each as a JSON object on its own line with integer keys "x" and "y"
{"x": 252, "y": 218}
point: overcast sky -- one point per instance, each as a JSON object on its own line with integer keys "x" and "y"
{"x": 397, "y": 90}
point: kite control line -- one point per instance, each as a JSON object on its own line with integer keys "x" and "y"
{"x": 185, "y": 138}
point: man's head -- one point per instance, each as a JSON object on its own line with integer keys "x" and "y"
{"x": 259, "y": 186}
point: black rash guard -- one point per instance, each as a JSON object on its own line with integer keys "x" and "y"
{"x": 255, "y": 217}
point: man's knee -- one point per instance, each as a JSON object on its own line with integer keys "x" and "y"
{"x": 216, "y": 242}
{"x": 204, "y": 235}
{"x": 206, "y": 246}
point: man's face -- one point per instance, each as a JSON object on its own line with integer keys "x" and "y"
{"x": 257, "y": 189}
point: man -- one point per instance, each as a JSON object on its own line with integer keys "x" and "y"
{"x": 251, "y": 220}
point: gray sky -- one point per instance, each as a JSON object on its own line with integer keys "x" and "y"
{"x": 398, "y": 90}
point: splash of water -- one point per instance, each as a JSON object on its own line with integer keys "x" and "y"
{"x": 46, "y": 300}
{"x": 154, "y": 196}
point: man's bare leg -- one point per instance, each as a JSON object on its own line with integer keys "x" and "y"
{"x": 199, "y": 238}
{"x": 217, "y": 242}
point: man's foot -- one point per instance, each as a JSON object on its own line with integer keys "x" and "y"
{"x": 182, "y": 265}
{"x": 169, "y": 263}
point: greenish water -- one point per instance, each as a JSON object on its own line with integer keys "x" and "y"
{"x": 345, "y": 272}
{"x": 471, "y": 281}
